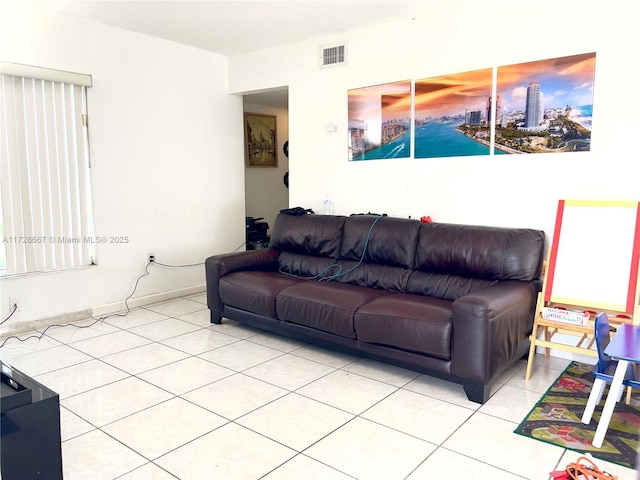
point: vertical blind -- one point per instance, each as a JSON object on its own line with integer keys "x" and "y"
{"x": 44, "y": 176}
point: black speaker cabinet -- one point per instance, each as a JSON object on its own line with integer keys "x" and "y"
{"x": 30, "y": 445}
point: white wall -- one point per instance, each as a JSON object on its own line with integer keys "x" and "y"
{"x": 507, "y": 190}
{"x": 167, "y": 153}
{"x": 265, "y": 192}
{"x": 167, "y": 138}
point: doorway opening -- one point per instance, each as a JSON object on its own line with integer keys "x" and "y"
{"x": 267, "y": 187}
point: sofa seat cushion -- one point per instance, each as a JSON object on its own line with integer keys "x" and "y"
{"x": 326, "y": 306}
{"x": 409, "y": 322}
{"x": 254, "y": 291}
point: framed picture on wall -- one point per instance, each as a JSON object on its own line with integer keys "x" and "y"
{"x": 260, "y": 140}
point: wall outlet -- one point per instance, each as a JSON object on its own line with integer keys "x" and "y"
{"x": 151, "y": 257}
{"x": 15, "y": 302}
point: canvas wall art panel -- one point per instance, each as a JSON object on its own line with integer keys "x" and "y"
{"x": 545, "y": 106}
{"x": 380, "y": 121}
{"x": 453, "y": 114}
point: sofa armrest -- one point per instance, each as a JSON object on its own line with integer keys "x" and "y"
{"x": 491, "y": 329}
{"x": 219, "y": 265}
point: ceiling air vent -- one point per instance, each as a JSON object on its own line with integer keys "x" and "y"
{"x": 333, "y": 56}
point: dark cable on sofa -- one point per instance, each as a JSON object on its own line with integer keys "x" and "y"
{"x": 364, "y": 250}
{"x": 317, "y": 276}
{"x": 340, "y": 273}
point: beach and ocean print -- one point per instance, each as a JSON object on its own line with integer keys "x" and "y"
{"x": 545, "y": 106}
{"x": 452, "y": 115}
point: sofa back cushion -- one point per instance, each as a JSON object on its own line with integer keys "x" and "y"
{"x": 454, "y": 260}
{"x": 434, "y": 259}
{"x": 308, "y": 244}
{"x": 317, "y": 235}
{"x": 378, "y": 252}
{"x": 389, "y": 241}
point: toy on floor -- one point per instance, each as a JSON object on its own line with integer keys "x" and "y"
{"x": 582, "y": 469}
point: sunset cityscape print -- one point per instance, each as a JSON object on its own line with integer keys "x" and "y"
{"x": 545, "y": 106}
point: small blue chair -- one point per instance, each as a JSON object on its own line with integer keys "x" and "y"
{"x": 605, "y": 368}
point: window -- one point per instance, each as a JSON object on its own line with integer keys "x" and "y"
{"x": 46, "y": 219}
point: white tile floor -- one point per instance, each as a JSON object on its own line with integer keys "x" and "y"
{"x": 163, "y": 394}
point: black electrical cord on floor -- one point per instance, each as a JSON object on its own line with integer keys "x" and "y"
{"x": 39, "y": 337}
{"x": 126, "y": 304}
{"x": 15, "y": 309}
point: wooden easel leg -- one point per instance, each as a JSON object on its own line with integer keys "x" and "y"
{"x": 547, "y": 337}
{"x": 537, "y": 314}
{"x": 532, "y": 350}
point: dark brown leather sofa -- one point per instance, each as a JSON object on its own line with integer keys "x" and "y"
{"x": 452, "y": 301}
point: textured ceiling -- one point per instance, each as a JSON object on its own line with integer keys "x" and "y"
{"x": 238, "y": 26}
{"x": 232, "y": 27}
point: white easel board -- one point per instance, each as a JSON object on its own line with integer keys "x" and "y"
{"x": 594, "y": 255}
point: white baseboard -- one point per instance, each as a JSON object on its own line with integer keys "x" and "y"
{"x": 19, "y": 328}
{"x": 147, "y": 300}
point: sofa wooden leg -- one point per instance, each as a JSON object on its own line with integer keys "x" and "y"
{"x": 216, "y": 317}
{"x": 476, "y": 391}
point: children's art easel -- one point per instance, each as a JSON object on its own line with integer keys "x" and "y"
{"x": 593, "y": 266}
